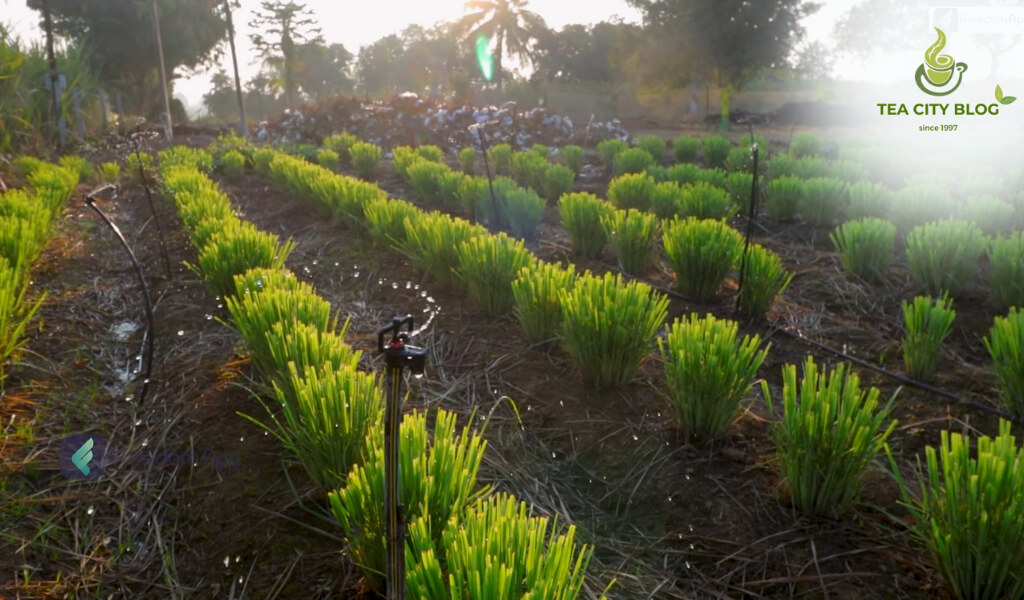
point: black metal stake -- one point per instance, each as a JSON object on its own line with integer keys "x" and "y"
{"x": 90, "y": 200}
{"x": 152, "y": 209}
{"x": 398, "y": 355}
{"x": 479, "y": 130}
{"x": 750, "y": 224}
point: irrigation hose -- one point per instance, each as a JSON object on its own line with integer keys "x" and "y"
{"x": 152, "y": 208}
{"x": 395, "y": 576}
{"x": 90, "y": 200}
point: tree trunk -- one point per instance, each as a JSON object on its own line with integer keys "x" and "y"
{"x": 726, "y": 91}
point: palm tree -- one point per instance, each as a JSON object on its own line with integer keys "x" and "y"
{"x": 507, "y": 24}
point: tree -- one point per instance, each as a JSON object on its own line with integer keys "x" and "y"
{"x": 580, "y": 53}
{"x": 282, "y": 27}
{"x": 379, "y": 65}
{"x": 510, "y": 27}
{"x": 418, "y": 59}
{"x": 221, "y": 101}
{"x": 323, "y": 70}
{"x": 737, "y": 38}
{"x": 119, "y": 38}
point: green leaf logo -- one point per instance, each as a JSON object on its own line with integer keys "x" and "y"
{"x": 1003, "y": 99}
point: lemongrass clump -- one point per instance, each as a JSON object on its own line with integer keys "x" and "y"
{"x": 927, "y": 323}
{"x": 328, "y": 159}
{"x": 608, "y": 326}
{"x": 806, "y": 144}
{"x": 437, "y": 481}
{"x": 632, "y": 236}
{"x": 496, "y": 551}
{"x": 653, "y": 145}
{"x": 235, "y": 251}
{"x": 739, "y": 186}
{"x": 708, "y": 371}
{"x": 432, "y": 241}
{"x": 1006, "y": 270}
{"x": 869, "y": 199}
{"x": 82, "y": 167}
{"x": 1005, "y": 344}
{"x": 633, "y": 190}
{"x": 865, "y": 246}
{"x": 536, "y": 290}
{"x": 705, "y": 201}
{"x": 523, "y": 210}
{"x": 261, "y": 160}
{"x": 110, "y": 172}
{"x": 783, "y": 197}
{"x": 667, "y": 200}
{"x": 366, "y": 159}
{"x": 990, "y": 213}
{"x": 918, "y": 204}
{"x": 467, "y": 160}
{"x": 829, "y": 433}
{"x": 739, "y": 160}
{"x": 427, "y": 180}
{"x": 558, "y": 180}
{"x": 573, "y": 158}
{"x": 763, "y": 281}
{"x": 609, "y": 149}
{"x": 822, "y": 200}
{"x": 183, "y": 156}
{"x": 716, "y": 150}
{"x": 581, "y": 217}
{"x": 15, "y": 312}
{"x": 969, "y": 513}
{"x": 487, "y": 264}
{"x": 233, "y": 164}
{"x": 701, "y": 253}
{"x": 632, "y": 160}
{"x": 684, "y": 148}
{"x": 385, "y": 219}
{"x": 500, "y": 157}
{"x": 781, "y": 165}
{"x": 943, "y": 256}
{"x": 341, "y": 143}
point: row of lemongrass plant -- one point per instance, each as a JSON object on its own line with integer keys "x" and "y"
{"x": 27, "y": 217}
{"x": 329, "y": 414}
{"x": 830, "y": 429}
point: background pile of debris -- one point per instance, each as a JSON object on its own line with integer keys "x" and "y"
{"x": 409, "y": 119}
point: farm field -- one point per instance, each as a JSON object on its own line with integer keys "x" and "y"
{"x": 592, "y": 421}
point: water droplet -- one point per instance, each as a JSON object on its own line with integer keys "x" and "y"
{"x": 356, "y": 274}
{"x": 394, "y": 284}
{"x": 670, "y": 498}
{"x": 430, "y": 299}
{"x": 423, "y": 294}
{"x": 635, "y": 439}
{"x": 90, "y": 511}
{"x": 241, "y": 439}
{"x": 181, "y": 332}
{"x": 227, "y": 561}
{"x": 560, "y": 403}
{"x": 145, "y": 443}
{"x": 418, "y": 375}
{"x": 408, "y": 285}
{"x": 314, "y": 262}
{"x": 335, "y": 263}
{"x": 209, "y": 317}
{"x": 238, "y": 558}
{"x": 553, "y": 455}
{"x": 138, "y": 422}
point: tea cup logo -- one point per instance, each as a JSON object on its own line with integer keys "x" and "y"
{"x": 936, "y": 73}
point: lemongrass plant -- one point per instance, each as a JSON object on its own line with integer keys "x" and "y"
{"x": 488, "y": 264}
{"x": 183, "y": 156}
{"x": 432, "y": 241}
{"x": 701, "y": 253}
{"x": 254, "y": 312}
{"x": 739, "y": 159}
{"x": 991, "y": 214}
{"x": 557, "y": 181}
{"x": 632, "y": 235}
{"x": 340, "y": 144}
{"x": 919, "y": 203}
{"x": 822, "y": 200}
{"x": 536, "y": 291}
{"x": 828, "y": 434}
{"x": 716, "y": 150}
{"x": 426, "y": 179}
{"x": 653, "y": 145}
{"x": 1005, "y": 344}
{"x": 366, "y": 159}
{"x": 708, "y": 371}
{"x": 738, "y": 185}
{"x": 685, "y": 173}
{"x": 79, "y": 165}
{"x": 523, "y": 210}
{"x": 581, "y": 217}
{"x": 21, "y": 241}
{"x": 496, "y": 551}
{"x": 705, "y": 201}
{"x": 467, "y": 160}
{"x": 927, "y": 323}
{"x": 969, "y": 513}
{"x": 608, "y": 326}
{"x": 234, "y": 251}
{"x": 764, "y": 280}
{"x": 573, "y": 156}
{"x": 258, "y": 279}
{"x": 783, "y": 197}
{"x": 15, "y": 313}
{"x": 500, "y": 157}
{"x": 325, "y": 415}
{"x": 328, "y": 159}
{"x": 684, "y": 149}
{"x": 233, "y": 164}
{"x": 632, "y": 160}
{"x": 633, "y": 190}
{"x": 385, "y": 219}
{"x": 305, "y": 345}
{"x": 667, "y": 200}
{"x": 869, "y": 199}
{"x": 943, "y": 256}
{"x": 437, "y": 481}
{"x": 608, "y": 150}
{"x": 110, "y": 172}
{"x": 865, "y": 246}
{"x": 806, "y": 144}
{"x": 1006, "y": 270}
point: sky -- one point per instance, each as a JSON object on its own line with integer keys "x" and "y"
{"x": 355, "y": 26}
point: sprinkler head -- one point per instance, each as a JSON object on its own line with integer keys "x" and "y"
{"x": 397, "y": 352}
